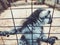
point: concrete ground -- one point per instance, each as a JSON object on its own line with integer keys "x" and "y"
{"x": 20, "y": 12}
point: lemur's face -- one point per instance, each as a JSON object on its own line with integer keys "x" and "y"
{"x": 45, "y": 17}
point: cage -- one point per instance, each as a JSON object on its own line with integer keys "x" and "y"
{"x": 18, "y": 11}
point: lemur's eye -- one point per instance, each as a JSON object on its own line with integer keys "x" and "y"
{"x": 48, "y": 12}
{"x": 45, "y": 16}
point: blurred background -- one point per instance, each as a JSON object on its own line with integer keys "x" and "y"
{"x": 14, "y": 12}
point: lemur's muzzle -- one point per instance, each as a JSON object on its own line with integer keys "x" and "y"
{"x": 48, "y": 12}
{"x": 50, "y": 18}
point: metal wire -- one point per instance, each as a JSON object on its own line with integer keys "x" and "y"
{"x": 3, "y": 40}
{"x": 14, "y": 24}
{"x": 32, "y": 24}
{"x": 24, "y": 18}
{"x": 52, "y": 21}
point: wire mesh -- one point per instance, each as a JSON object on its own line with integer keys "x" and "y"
{"x": 13, "y": 19}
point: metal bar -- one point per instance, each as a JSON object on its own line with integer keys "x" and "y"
{"x": 14, "y": 23}
{"x": 51, "y": 23}
{"x": 32, "y": 24}
{"x": 3, "y": 40}
{"x": 24, "y": 18}
{"x": 19, "y": 39}
{"x": 29, "y": 26}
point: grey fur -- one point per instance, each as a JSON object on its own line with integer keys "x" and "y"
{"x": 32, "y": 28}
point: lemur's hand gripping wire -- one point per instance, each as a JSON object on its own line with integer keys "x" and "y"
{"x": 52, "y": 40}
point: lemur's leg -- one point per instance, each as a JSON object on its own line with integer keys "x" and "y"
{"x": 36, "y": 43}
{"x": 23, "y": 41}
{"x": 50, "y": 40}
{"x": 44, "y": 38}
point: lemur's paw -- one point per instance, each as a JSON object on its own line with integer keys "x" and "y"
{"x": 52, "y": 39}
{"x": 4, "y": 33}
{"x": 0, "y": 33}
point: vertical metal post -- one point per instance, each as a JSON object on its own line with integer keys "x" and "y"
{"x": 14, "y": 23}
{"x": 32, "y": 24}
{"x": 52, "y": 21}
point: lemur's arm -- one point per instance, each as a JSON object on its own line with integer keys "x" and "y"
{"x": 12, "y": 32}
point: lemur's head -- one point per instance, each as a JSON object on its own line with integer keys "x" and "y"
{"x": 45, "y": 17}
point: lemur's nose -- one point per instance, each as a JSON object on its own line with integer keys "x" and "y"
{"x": 48, "y": 12}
